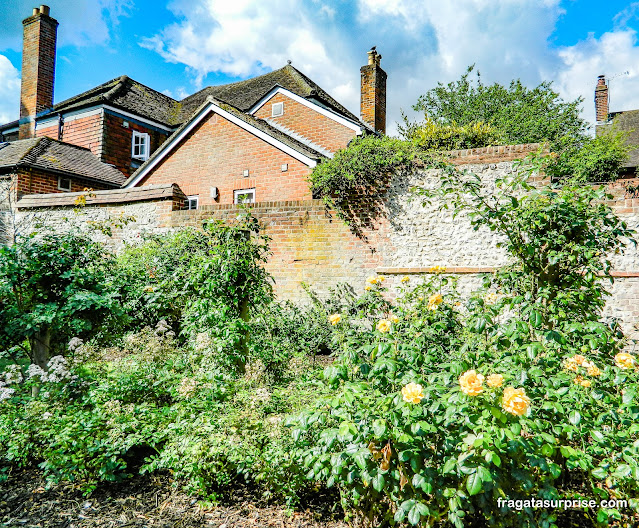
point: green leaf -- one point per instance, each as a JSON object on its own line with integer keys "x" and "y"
{"x": 574, "y": 417}
{"x": 474, "y": 484}
{"x": 378, "y": 482}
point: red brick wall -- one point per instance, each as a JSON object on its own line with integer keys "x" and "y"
{"x": 84, "y": 132}
{"x": 308, "y": 245}
{"x": 116, "y": 149}
{"x": 308, "y": 123}
{"x": 216, "y": 153}
{"x": 51, "y": 131}
{"x": 32, "y": 181}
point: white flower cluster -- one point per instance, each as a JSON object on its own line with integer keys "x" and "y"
{"x": 12, "y": 375}
{"x": 58, "y": 370}
{"x": 5, "y": 392}
{"x": 74, "y": 344}
{"x": 162, "y": 329}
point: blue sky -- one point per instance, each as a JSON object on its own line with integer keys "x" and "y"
{"x": 182, "y": 45}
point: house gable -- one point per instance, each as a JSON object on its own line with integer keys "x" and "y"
{"x": 304, "y": 118}
{"x": 217, "y": 153}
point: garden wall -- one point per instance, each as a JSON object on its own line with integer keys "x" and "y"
{"x": 314, "y": 246}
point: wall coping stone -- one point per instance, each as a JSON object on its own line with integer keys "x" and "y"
{"x": 462, "y": 270}
{"x": 134, "y": 194}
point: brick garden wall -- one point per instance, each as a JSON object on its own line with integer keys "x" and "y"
{"x": 313, "y": 246}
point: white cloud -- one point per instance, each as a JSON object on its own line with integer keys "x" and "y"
{"x": 9, "y": 90}
{"x": 421, "y": 43}
{"x": 82, "y": 22}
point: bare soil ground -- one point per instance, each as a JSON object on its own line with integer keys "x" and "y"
{"x": 143, "y": 501}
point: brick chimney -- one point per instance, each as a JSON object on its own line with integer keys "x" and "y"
{"x": 373, "y": 98}
{"x": 601, "y": 99}
{"x": 38, "y": 68}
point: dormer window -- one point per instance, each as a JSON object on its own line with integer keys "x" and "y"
{"x": 140, "y": 146}
{"x": 277, "y": 109}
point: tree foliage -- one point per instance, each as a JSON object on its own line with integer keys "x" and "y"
{"x": 53, "y": 286}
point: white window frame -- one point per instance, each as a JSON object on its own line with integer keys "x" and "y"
{"x": 195, "y": 198}
{"x": 242, "y": 192}
{"x": 280, "y": 109}
{"x": 65, "y": 189}
{"x": 146, "y": 142}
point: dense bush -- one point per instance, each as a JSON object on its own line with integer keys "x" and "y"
{"x": 54, "y": 286}
{"x": 439, "y": 409}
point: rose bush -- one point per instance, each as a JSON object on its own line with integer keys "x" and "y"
{"x": 520, "y": 391}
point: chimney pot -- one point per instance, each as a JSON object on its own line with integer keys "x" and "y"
{"x": 44, "y": 9}
{"x": 36, "y": 11}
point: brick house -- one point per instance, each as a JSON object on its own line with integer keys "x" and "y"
{"x": 249, "y": 141}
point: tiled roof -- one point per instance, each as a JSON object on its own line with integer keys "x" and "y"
{"x": 132, "y": 96}
{"x": 127, "y": 94}
{"x": 243, "y": 95}
{"x": 260, "y": 124}
{"x": 48, "y": 154}
{"x": 627, "y": 121}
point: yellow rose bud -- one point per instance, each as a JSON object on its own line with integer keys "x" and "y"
{"x": 394, "y": 318}
{"x": 437, "y": 269}
{"x": 471, "y": 383}
{"x": 372, "y": 279}
{"x": 495, "y": 380}
{"x": 624, "y": 360}
{"x": 335, "y": 318}
{"x": 384, "y": 326}
{"x": 367, "y": 288}
{"x": 412, "y": 393}
{"x": 515, "y": 401}
{"x": 405, "y": 278}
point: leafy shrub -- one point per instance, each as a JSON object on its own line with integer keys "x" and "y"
{"x": 597, "y": 159}
{"x": 433, "y": 135}
{"x": 54, "y": 286}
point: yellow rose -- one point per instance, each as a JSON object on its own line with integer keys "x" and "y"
{"x": 624, "y": 360}
{"x": 412, "y": 393}
{"x": 434, "y": 301}
{"x": 335, "y": 318}
{"x": 372, "y": 279}
{"x": 381, "y": 279}
{"x": 492, "y": 298}
{"x": 437, "y": 269}
{"x": 578, "y": 359}
{"x": 586, "y": 383}
{"x": 367, "y": 288}
{"x": 495, "y": 380}
{"x": 405, "y": 278}
{"x": 384, "y": 326}
{"x": 515, "y": 401}
{"x": 577, "y": 380}
{"x": 569, "y": 364}
{"x": 471, "y": 383}
{"x": 394, "y": 318}
{"x": 594, "y": 371}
